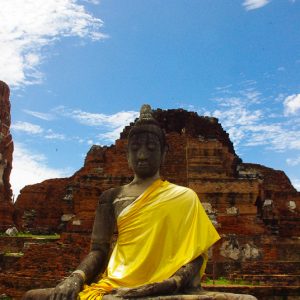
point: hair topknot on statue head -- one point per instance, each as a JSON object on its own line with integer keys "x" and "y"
{"x": 147, "y": 123}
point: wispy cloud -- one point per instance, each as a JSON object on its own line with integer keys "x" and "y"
{"x": 250, "y": 128}
{"x": 296, "y": 183}
{"x": 30, "y": 168}
{"x": 293, "y": 161}
{"x": 111, "y": 135}
{"x": 112, "y": 124}
{"x": 254, "y": 4}
{"x": 292, "y": 104}
{"x": 114, "y": 120}
{"x": 244, "y": 115}
{"x": 277, "y": 137}
{"x": 39, "y": 115}
{"x": 27, "y": 27}
{"x": 93, "y": 1}
{"x": 37, "y": 130}
{"x": 50, "y": 135}
{"x": 27, "y": 127}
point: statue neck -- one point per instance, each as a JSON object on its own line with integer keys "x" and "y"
{"x": 144, "y": 182}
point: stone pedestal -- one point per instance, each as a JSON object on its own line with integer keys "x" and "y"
{"x": 201, "y": 296}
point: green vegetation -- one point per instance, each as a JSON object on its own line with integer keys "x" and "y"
{"x": 225, "y": 281}
{"x": 13, "y": 254}
{"x": 5, "y": 297}
{"x": 34, "y": 236}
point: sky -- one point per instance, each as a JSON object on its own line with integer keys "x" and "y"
{"x": 80, "y": 70}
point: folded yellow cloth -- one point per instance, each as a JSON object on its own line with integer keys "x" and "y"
{"x": 162, "y": 230}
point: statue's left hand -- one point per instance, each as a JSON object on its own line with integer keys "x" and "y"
{"x": 67, "y": 289}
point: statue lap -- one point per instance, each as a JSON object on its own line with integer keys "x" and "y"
{"x": 44, "y": 294}
{"x": 201, "y": 296}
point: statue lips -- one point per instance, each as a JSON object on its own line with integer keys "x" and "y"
{"x": 143, "y": 164}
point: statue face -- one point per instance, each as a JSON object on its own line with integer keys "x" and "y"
{"x": 144, "y": 154}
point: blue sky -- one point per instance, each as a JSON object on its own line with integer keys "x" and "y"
{"x": 80, "y": 70}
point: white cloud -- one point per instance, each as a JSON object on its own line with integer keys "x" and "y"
{"x": 113, "y": 123}
{"x": 93, "y": 1}
{"x": 54, "y": 136}
{"x": 39, "y": 115}
{"x": 30, "y": 168}
{"x": 293, "y": 161}
{"x": 251, "y": 95}
{"x": 223, "y": 88}
{"x": 236, "y": 113}
{"x": 254, "y": 4}
{"x": 27, "y": 127}
{"x": 29, "y": 26}
{"x": 90, "y": 142}
{"x": 252, "y": 127}
{"x": 114, "y": 120}
{"x": 296, "y": 184}
{"x": 112, "y": 135}
{"x": 34, "y": 129}
{"x": 277, "y": 140}
{"x": 291, "y": 104}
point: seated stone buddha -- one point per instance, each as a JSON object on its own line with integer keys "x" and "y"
{"x": 163, "y": 232}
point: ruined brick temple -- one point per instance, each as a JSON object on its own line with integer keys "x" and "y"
{"x": 255, "y": 208}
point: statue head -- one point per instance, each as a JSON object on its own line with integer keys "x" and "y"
{"x": 147, "y": 123}
{"x": 146, "y": 145}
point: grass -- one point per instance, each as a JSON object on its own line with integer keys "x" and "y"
{"x": 13, "y": 254}
{"x": 225, "y": 281}
{"x": 34, "y": 236}
{"x": 4, "y": 297}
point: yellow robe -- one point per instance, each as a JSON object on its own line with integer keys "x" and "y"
{"x": 162, "y": 230}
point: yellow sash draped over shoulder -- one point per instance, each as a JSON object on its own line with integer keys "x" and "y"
{"x": 162, "y": 230}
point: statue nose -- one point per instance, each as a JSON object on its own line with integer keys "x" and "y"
{"x": 142, "y": 153}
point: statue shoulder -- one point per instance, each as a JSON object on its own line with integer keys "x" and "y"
{"x": 109, "y": 195}
{"x": 183, "y": 189}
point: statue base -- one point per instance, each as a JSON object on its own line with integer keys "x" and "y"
{"x": 203, "y": 295}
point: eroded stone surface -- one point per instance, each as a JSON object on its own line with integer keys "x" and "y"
{"x": 6, "y": 151}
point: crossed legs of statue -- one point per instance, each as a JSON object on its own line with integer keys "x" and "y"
{"x": 44, "y": 294}
{"x": 38, "y": 294}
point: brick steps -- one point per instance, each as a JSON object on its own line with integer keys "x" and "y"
{"x": 269, "y": 279}
{"x": 15, "y": 285}
{"x": 261, "y": 292}
{"x": 269, "y": 268}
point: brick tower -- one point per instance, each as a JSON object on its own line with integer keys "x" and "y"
{"x": 6, "y": 151}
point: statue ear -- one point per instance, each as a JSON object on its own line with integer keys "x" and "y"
{"x": 128, "y": 160}
{"x": 163, "y": 155}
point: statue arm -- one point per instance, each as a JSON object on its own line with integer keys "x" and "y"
{"x": 103, "y": 228}
{"x": 95, "y": 262}
{"x": 183, "y": 279}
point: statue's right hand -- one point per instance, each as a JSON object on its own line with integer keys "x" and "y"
{"x": 68, "y": 289}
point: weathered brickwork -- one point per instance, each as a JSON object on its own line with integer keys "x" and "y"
{"x": 6, "y": 151}
{"x": 255, "y": 208}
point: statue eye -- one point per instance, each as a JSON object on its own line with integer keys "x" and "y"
{"x": 134, "y": 147}
{"x": 151, "y": 146}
